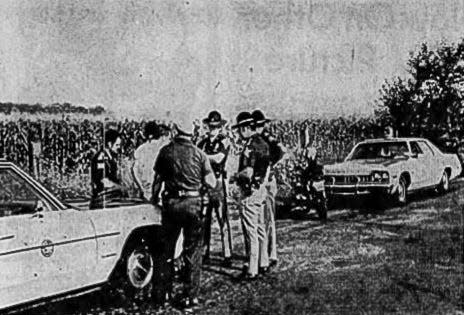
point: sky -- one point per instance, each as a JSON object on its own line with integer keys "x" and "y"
{"x": 291, "y": 58}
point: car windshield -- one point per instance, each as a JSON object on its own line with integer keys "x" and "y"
{"x": 379, "y": 150}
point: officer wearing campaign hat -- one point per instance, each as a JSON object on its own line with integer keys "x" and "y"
{"x": 216, "y": 146}
{"x": 277, "y": 152}
{"x": 250, "y": 177}
{"x": 214, "y": 119}
{"x": 259, "y": 118}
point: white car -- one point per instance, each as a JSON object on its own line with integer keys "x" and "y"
{"x": 49, "y": 249}
{"x": 395, "y": 167}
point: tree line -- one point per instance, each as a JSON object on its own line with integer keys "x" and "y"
{"x": 56, "y": 108}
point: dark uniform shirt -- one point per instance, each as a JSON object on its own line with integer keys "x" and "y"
{"x": 182, "y": 166}
{"x": 275, "y": 151}
{"x": 215, "y": 146}
{"x": 103, "y": 165}
{"x": 255, "y": 154}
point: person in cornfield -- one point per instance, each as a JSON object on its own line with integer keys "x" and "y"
{"x": 277, "y": 152}
{"x": 145, "y": 157}
{"x": 216, "y": 146}
{"x": 105, "y": 181}
{"x": 185, "y": 171}
{"x": 251, "y": 178}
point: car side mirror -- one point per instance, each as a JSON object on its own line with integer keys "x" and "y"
{"x": 413, "y": 155}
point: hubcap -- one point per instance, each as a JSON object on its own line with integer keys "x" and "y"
{"x": 140, "y": 268}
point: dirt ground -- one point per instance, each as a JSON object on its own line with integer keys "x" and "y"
{"x": 399, "y": 260}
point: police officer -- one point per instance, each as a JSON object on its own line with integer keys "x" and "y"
{"x": 105, "y": 181}
{"x": 277, "y": 152}
{"x": 184, "y": 169}
{"x": 253, "y": 166}
{"x": 216, "y": 147}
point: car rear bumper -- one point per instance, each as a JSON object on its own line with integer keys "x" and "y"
{"x": 358, "y": 189}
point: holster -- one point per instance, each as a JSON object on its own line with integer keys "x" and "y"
{"x": 245, "y": 185}
{"x": 205, "y": 200}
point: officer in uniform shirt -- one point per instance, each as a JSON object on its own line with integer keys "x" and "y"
{"x": 184, "y": 169}
{"x": 105, "y": 181}
{"x": 216, "y": 147}
{"x": 251, "y": 175}
{"x": 277, "y": 152}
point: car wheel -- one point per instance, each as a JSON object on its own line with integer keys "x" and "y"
{"x": 133, "y": 280}
{"x": 402, "y": 193}
{"x": 444, "y": 185}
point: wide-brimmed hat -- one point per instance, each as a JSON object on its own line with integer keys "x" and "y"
{"x": 184, "y": 125}
{"x": 243, "y": 119}
{"x": 259, "y": 118}
{"x": 214, "y": 119}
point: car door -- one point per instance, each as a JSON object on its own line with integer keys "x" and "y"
{"x": 431, "y": 163}
{"x": 44, "y": 250}
{"x": 77, "y": 250}
{"x": 419, "y": 172}
{"x": 21, "y": 272}
{"x": 68, "y": 246}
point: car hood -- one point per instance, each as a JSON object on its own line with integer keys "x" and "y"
{"x": 365, "y": 166}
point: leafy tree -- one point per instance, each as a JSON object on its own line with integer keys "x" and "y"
{"x": 430, "y": 102}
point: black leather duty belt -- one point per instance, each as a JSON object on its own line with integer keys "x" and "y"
{"x": 183, "y": 194}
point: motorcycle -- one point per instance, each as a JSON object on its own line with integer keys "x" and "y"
{"x": 309, "y": 194}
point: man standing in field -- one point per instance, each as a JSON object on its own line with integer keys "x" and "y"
{"x": 216, "y": 146}
{"x": 276, "y": 151}
{"x": 105, "y": 181}
{"x": 145, "y": 156}
{"x": 251, "y": 176}
{"x": 184, "y": 169}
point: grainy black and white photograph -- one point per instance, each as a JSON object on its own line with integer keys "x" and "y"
{"x": 231, "y": 157}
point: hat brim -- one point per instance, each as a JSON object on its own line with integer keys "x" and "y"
{"x": 263, "y": 121}
{"x": 246, "y": 122}
{"x": 221, "y": 123}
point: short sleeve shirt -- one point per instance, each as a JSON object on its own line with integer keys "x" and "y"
{"x": 215, "y": 146}
{"x": 255, "y": 154}
{"x": 182, "y": 166}
{"x": 275, "y": 152}
{"x": 103, "y": 165}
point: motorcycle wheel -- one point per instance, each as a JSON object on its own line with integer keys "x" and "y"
{"x": 322, "y": 208}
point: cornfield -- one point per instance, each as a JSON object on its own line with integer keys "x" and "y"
{"x": 57, "y": 149}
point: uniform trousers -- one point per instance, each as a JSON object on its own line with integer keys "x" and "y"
{"x": 216, "y": 205}
{"x": 252, "y": 217}
{"x": 269, "y": 217}
{"x": 182, "y": 213}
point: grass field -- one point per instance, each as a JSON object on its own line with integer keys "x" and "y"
{"x": 363, "y": 261}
